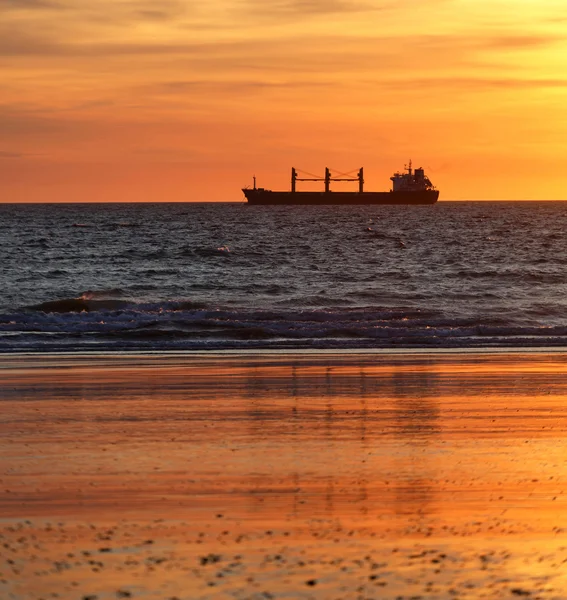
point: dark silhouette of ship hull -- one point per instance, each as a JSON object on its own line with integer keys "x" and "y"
{"x": 268, "y": 197}
{"x": 412, "y": 187}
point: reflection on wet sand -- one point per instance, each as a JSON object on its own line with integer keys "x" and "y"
{"x": 347, "y": 437}
{"x": 405, "y": 449}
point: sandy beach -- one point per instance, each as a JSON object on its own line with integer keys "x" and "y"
{"x": 410, "y": 475}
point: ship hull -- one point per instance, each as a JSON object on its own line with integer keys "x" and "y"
{"x": 268, "y": 197}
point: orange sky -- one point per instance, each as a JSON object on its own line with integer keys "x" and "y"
{"x": 176, "y": 100}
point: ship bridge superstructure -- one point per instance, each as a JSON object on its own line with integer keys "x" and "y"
{"x": 414, "y": 180}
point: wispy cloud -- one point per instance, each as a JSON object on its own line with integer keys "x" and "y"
{"x": 176, "y": 87}
{"x": 301, "y": 8}
{"x": 25, "y": 43}
{"x": 23, "y": 5}
{"x": 19, "y": 123}
{"x": 7, "y": 154}
{"x": 470, "y": 84}
{"x": 21, "y": 43}
{"x": 165, "y": 10}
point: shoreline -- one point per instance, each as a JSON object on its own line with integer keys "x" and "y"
{"x": 347, "y": 358}
{"x": 299, "y": 351}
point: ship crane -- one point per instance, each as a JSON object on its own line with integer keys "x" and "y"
{"x": 327, "y": 179}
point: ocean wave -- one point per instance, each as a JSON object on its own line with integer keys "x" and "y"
{"x": 193, "y": 325}
{"x": 105, "y": 294}
{"x": 125, "y": 224}
{"x": 206, "y": 252}
{"x": 525, "y": 276}
{"x": 77, "y": 305}
{"x": 220, "y": 275}
{"x": 102, "y": 302}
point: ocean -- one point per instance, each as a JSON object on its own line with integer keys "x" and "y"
{"x": 196, "y": 276}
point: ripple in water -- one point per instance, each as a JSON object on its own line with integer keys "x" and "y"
{"x": 207, "y": 276}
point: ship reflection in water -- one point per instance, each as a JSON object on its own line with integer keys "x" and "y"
{"x": 386, "y": 441}
{"x": 352, "y": 440}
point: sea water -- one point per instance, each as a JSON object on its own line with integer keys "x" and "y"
{"x": 193, "y": 276}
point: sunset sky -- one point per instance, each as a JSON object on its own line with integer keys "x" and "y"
{"x": 177, "y": 100}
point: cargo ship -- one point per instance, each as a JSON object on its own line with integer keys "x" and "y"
{"x": 409, "y": 187}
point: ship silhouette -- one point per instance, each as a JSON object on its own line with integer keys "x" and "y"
{"x": 410, "y": 187}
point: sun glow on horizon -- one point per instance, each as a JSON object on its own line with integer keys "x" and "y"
{"x": 129, "y": 101}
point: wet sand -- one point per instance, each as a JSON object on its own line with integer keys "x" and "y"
{"x": 284, "y": 476}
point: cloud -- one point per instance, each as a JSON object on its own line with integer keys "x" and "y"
{"x": 6, "y": 154}
{"x": 468, "y": 84}
{"x": 520, "y": 41}
{"x": 18, "y": 123}
{"x": 307, "y": 7}
{"x": 11, "y": 155}
{"x": 300, "y": 9}
{"x": 143, "y": 8}
{"x": 30, "y": 5}
{"x": 23, "y": 43}
{"x": 162, "y": 11}
{"x": 177, "y": 87}
{"x": 19, "y": 43}
{"x": 154, "y": 15}
{"x": 483, "y": 41}
{"x": 170, "y": 154}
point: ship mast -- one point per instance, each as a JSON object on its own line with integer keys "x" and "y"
{"x": 327, "y": 179}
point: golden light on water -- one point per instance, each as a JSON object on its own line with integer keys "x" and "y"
{"x": 428, "y": 475}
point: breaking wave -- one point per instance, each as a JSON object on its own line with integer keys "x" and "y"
{"x": 106, "y": 323}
